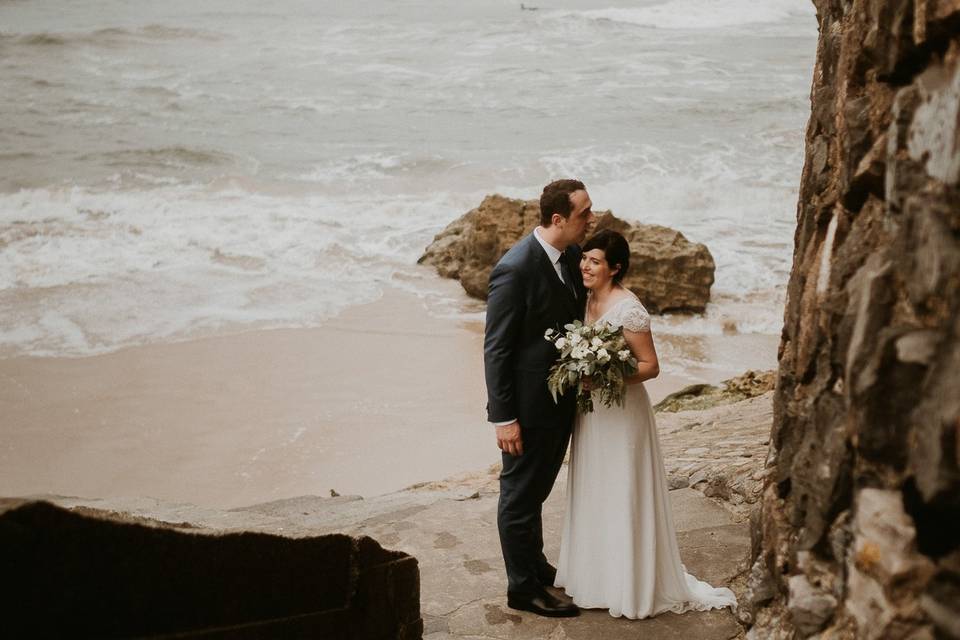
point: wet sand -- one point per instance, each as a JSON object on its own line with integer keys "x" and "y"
{"x": 379, "y": 398}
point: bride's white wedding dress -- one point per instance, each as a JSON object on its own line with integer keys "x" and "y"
{"x": 619, "y": 546}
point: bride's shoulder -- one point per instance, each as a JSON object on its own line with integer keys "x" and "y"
{"x": 633, "y": 315}
{"x": 628, "y": 298}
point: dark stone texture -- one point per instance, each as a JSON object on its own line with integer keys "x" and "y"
{"x": 72, "y": 575}
{"x": 863, "y": 499}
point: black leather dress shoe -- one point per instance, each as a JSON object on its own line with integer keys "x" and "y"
{"x": 547, "y": 574}
{"x": 542, "y": 603}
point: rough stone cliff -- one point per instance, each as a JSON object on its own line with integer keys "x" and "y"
{"x": 859, "y": 533}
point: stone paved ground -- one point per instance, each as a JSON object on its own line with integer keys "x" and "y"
{"x": 720, "y": 451}
{"x": 450, "y": 527}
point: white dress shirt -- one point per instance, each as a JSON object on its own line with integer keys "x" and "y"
{"x": 554, "y": 255}
{"x": 552, "y": 252}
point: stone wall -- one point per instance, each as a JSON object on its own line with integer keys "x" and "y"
{"x": 69, "y": 575}
{"x": 859, "y": 534}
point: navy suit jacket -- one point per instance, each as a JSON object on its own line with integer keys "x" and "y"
{"x": 525, "y": 298}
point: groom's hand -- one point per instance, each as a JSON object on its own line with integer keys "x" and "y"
{"x": 509, "y": 440}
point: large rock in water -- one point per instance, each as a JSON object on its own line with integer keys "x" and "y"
{"x": 667, "y": 271}
{"x": 859, "y": 533}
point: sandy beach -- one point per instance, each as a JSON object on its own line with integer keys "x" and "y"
{"x": 379, "y": 398}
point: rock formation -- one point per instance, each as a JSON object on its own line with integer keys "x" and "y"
{"x": 667, "y": 271}
{"x": 703, "y": 396}
{"x": 859, "y": 533}
{"x": 719, "y": 451}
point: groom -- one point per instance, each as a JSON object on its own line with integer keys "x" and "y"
{"x": 536, "y": 286}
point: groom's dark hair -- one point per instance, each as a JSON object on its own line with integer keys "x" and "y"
{"x": 556, "y": 199}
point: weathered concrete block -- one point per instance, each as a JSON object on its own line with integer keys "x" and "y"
{"x": 71, "y": 575}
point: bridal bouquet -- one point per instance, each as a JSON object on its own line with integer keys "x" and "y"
{"x": 598, "y": 352}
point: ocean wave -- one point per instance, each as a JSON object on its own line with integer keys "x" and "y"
{"x": 18, "y": 155}
{"x": 33, "y": 39}
{"x": 392, "y": 70}
{"x": 95, "y": 271}
{"x": 175, "y": 157}
{"x": 87, "y": 271}
{"x": 373, "y": 166}
{"x": 741, "y": 206}
{"x": 109, "y": 36}
{"x": 157, "y": 92}
{"x": 698, "y": 14}
{"x": 239, "y": 261}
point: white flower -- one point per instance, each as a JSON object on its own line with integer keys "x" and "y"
{"x": 623, "y": 355}
{"x": 603, "y": 356}
{"x": 596, "y": 342}
{"x": 576, "y": 339}
{"x": 561, "y": 343}
{"x": 548, "y": 333}
{"x": 579, "y": 353}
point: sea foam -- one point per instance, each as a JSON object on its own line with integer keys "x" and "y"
{"x": 700, "y": 14}
{"x": 89, "y": 271}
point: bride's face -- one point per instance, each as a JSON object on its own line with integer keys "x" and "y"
{"x": 595, "y": 269}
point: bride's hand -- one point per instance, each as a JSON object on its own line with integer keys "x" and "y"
{"x": 587, "y": 384}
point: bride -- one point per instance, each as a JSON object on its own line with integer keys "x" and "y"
{"x": 619, "y": 547}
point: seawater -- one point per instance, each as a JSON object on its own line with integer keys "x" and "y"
{"x": 181, "y": 168}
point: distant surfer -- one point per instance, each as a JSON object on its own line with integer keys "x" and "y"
{"x": 524, "y": 7}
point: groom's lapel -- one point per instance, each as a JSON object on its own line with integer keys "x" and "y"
{"x": 547, "y": 271}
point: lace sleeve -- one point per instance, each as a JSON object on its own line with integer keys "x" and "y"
{"x": 634, "y": 317}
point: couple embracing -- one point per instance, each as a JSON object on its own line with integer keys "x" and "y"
{"x": 618, "y": 549}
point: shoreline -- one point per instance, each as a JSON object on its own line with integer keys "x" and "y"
{"x": 380, "y": 398}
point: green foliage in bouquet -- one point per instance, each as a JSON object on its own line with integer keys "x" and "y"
{"x": 598, "y": 352}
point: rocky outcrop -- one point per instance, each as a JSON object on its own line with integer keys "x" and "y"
{"x": 108, "y": 575}
{"x": 719, "y": 451}
{"x": 859, "y": 533}
{"x": 704, "y": 396}
{"x": 469, "y": 247}
{"x": 667, "y": 271}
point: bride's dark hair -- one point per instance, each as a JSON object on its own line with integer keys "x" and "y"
{"x": 615, "y": 249}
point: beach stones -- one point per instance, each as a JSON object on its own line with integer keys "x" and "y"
{"x": 703, "y": 396}
{"x": 718, "y": 450}
{"x": 667, "y": 271}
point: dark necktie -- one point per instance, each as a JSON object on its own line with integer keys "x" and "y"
{"x": 567, "y": 277}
